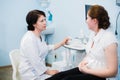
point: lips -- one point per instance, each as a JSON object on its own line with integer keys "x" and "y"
{"x": 44, "y": 26}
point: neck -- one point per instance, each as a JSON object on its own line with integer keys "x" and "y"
{"x": 97, "y": 30}
{"x": 37, "y": 33}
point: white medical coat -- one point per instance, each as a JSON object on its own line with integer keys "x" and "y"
{"x": 33, "y": 52}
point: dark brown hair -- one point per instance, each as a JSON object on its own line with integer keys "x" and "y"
{"x": 98, "y": 12}
{"x": 32, "y": 18}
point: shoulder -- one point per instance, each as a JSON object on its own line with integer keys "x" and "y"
{"x": 27, "y": 38}
{"x": 109, "y": 38}
{"x": 109, "y": 35}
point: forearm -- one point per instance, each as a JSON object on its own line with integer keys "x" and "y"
{"x": 64, "y": 41}
{"x": 102, "y": 72}
{"x": 58, "y": 45}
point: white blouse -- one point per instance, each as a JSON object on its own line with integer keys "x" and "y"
{"x": 33, "y": 53}
{"x": 96, "y": 55}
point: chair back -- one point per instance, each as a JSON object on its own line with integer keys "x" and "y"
{"x": 15, "y": 58}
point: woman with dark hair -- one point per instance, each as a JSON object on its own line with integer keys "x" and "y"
{"x": 100, "y": 61}
{"x": 34, "y": 49}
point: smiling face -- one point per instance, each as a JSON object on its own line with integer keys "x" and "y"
{"x": 40, "y": 25}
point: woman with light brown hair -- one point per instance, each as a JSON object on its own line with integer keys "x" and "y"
{"x": 101, "y": 59}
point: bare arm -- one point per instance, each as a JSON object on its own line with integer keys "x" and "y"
{"x": 112, "y": 63}
{"x": 61, "y": 43}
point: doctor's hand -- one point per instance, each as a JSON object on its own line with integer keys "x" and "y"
{"x": 51, "y": 72}
{"x": 65, "y": 41}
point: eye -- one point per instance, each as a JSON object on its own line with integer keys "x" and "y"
{"x": 43, "y": 20}
{"x": 86, "y": 18}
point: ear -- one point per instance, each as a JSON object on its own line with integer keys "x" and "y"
{"x": 95, "y": 20}
{"x": 34, "y": 25}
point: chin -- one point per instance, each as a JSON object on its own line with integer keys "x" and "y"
{"x": 44, "y": 29}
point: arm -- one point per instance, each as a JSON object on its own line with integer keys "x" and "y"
{"x": 61, "y": 43}
{"x": 112, "y": 63}
{"x": 57, "y": 45}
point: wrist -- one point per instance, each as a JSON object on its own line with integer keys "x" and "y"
{"x": 62, "y": 43}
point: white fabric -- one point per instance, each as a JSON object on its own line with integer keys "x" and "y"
{"x": 33, "y": 53}
{"x": 96, "y": 56}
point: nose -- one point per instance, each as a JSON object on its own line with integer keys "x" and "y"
{"x": 45, "y": 22}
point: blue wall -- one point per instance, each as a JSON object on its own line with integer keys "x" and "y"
{"x": 13, "y": 25}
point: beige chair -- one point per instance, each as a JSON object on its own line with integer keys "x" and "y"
{"x": 15, "y": 57}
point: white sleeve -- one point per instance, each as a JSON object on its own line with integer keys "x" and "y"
{"x": 109, "y": 38}
{"x": 31, "y": 52}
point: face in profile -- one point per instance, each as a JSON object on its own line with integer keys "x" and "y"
{"x": 40, "y": 25}
{"x": 89, "y": 22}
{"x": 92, "y": 23}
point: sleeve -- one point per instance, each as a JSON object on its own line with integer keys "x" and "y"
{"x": 31, "y": 52}
{"x": 109, "y": 38}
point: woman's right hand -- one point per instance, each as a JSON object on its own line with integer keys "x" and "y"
{"x": 65, "y": 41}
{"x": 51, "y": 72}
{"x": 82, "y": 64}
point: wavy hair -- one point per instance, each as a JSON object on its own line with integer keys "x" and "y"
{"x": 99, "y": 12}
